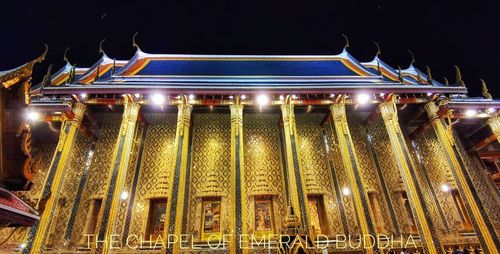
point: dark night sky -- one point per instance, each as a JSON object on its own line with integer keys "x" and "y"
{"x": 440, "y": 33}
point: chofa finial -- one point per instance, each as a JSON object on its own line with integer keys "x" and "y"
{"x": 458, "y": 76}
{"x": 346, "y": 41}
{"x": 429, "y": 75}
{"x": 379, "y": 52}
{"x": 412, "y": 57}
{"x": 485, "y": 92}
{"x": 134, "y": 42}
{"x": 446, "y": 83}
{"x": 101, "y": 50}
{"x": 43, "y": 55}
{"x": 400, "y": 75}
{"x": 47, "y": 79}
{"x": 65, "y": 57}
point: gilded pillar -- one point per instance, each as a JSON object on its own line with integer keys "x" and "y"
{"x": 482, "y": 225}
{"x": 430, "y": 242}
{"x": 116, "y": 178}
{"x": 296, "y": 187}
{"x": 53, "y": 182}
{"x": 179, "y": 193}
{"x": 238, "y": 202}
{"x": 351, "y": 166}
{"x": 494, "y": 124}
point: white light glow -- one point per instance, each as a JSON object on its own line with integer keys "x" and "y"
{"x": 262, "y": 99}
{"x": 470, "y": 112}
{"x": 191, "y": 96}
{"x": 231, "y": 97}
{"x": 282, "y": 97}
{"x": 83, "y": 95}
{"x": 483, "y": 115}
{"x": 137, "y": 95}
{"x": 22, "y": 245}
{"x": 429, "y": 94}
{"x": 243, "y": 97}
{"x": 33, "y": 116}
{"x": 294, "y": 96}
{"x": 124, "y": 195}
{"x": 382, "y": 94}
{"x": 346, "y": 191}
{"x": 158, "y": 99}
{"x": 363, "y": 98}
{"x": 491, "y": 110}
{"x": 445, "y": 187}
{"x": 332, "y": 95}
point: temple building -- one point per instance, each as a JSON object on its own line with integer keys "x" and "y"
{"x": 173, "y": 153}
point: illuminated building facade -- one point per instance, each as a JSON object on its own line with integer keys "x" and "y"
{"x": 249, "y": 146}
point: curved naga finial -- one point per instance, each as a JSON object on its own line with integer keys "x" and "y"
{"x": 65, "y": 57}
{"x": 412, "y": 57}
{"x": 47, "y": 79}
{"x": 346, "y": 41}
{"x": 446, "y": 83}
{"x": 458, "y": 76}
{"x": 43, "y": 55}
{"x": 429, "y": 75}
{"x": 100, "y": 47}
{"x": 134, "y": 42}
{"x": 485, "y": 92}
{"x": 379, "y": 52}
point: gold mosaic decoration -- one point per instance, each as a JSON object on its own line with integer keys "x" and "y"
{"x": 314, "y": 164}
{"x": 96, "y": 181}
{"x": 263, "y": 165}
{"x": 156, "y": 167}
{"x": 210, "y": 168}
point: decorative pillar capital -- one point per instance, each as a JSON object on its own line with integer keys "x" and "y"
{"x": 494, "y": 124}
{"x": 431, "y": 108}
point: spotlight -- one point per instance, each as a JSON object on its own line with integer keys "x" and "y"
{"x": 483, "y": 115}
{"x": 124, "y": 195}
{"x": 22, "y": 246}
{"x": 491, "y": 110}
{"x": 445, "y": 187}
{"x": 158, "y": 99}
{"x": 429, "y": 94}
{"x": 470, "y": 112}
{"x": 332, "y": 95}
{"x": 243, "y": 97}
{"x": 83, "y": 95}
{"x": 282, "y": 97}
{"x": 33, "y": 116}
{"x": 363, "y": 98}
{"x": 294, "y": 97}
{"x": 231, "y": 97}
{"x": 346, "y": 191}
{"x": 191, "y": 96}
{"x": 382, "y": 94}
{"x": 262, "y": 99}
{"x": 137, "y": 95}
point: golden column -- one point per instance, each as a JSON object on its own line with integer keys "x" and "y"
{"x": 179, "y": 195}
{"x": 494, "y": 124}
{"x": 296, "y": 186}
{"x": 407, "y": 169}
{"x": 482, "y": 225}
{"x": 54, "y": 181}
{"x": 238, "y": 203}
{"x": 351, "y": 165}
{"x": 116, "y": 178}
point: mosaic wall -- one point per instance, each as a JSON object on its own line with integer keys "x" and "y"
{"x": 42, "y": 155}
{"x": 263, "y": 165}
{"x": 67, "y": 198}
{"x": 439, "y": 173}
{"x": 371, "y": 181}
{"x": 97, "y": 175}
{"x": 156, "y": 167}
{"x": 314, "y": 164}
{"x": 210, "y": 168}
{"x": 488, "y": 193}
{"x": 388, "y": 165}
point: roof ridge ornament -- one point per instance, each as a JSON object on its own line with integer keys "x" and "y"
{"x": 485, "y": 92}
{"x": 379, "y": 70}
{"x": 446, "y": 83}
{"x": 43, "y": 55}
{"x": 412, "y": 57}
{"x": 71, "y": 77}
{"x": 346, "y": 42}
{"x": 429, "y": 75}
{"x": 134, "y": 42}
{"x": 458, "y": 76}
{"x": 47, "y": 81}
{"x": 114, "y": 67}
{"x": 379, "y": 52}
{"x": 400, "y": 75}
{"x": 419, "y": 77}
{"x": 101, "y": 50}
{"x": 65, "y": 57}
